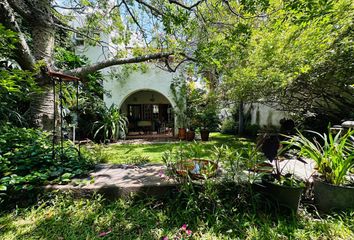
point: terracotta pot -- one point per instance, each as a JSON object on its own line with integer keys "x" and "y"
{"x": 204, "y": 134}
{"x": 182, "y": 133}
{"x": 190, "y": 135}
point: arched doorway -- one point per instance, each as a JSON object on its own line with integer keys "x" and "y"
{"x": 149, "y": 113}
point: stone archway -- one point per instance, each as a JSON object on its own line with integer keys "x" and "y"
{"x": 149, "y": 113}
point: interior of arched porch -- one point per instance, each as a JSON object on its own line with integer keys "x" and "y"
{"x": 149, "y": 113}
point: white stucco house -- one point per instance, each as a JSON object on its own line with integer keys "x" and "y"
{"x": 144, "y": 96}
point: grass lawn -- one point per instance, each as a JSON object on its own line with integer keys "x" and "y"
{"x": 128, "y": 153}
{"x": 210, "y": 211}
{"x": 65, "y": 218}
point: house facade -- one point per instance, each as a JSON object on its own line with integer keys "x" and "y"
{"x": 143, "y": 95}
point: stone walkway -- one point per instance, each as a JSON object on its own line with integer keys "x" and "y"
{"x": 121, "y": 181}
{"x": 302, "y": 169}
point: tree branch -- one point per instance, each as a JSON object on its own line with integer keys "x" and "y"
{"x": 170, "y": 69}
{"x": 83, "y": 71}
{"x": 153, "y": 10}
{"x": 68, "y": 28}
{"x": 184, "y": 6}
{"x": 23, "y": 54}
{"x": 21, "y": 8}
{"x": 135, "y": 20}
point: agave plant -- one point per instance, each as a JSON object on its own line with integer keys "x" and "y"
{"x": 333, "y": 154}
{"x": 113, "y": 123}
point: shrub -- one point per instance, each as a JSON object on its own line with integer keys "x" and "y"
{"x": 333, "y": 154}
{"x": 251, "y": 130}
{"x": 229, "y": 126}
{"x": 26, "y": 160}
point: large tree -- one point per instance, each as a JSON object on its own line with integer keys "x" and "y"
{"x": 40, "y": 23}
{"x": 254, "y": 48}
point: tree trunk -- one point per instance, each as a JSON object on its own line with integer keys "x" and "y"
{"x": 42, "y": 110}
{"x": 43, "y": 44}
{"x": 43, "y": 35}
{"x": 241, "y": 119}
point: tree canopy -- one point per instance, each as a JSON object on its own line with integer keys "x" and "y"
{"x": 251, "y": 50}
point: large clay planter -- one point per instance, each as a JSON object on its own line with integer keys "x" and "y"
{"x": 190, "y": 135}
{"x": 204, "y": 135}
{"x": 182, "y": 133}
{"x": 285, "y": 196}
{"x": 330, "y": 197}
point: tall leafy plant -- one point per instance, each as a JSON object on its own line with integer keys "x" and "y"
{"x": 179, "y": 93}
{"x": 333, "y": 154}
{"x": 113, "y": 124}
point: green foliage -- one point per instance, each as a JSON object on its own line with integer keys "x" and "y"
{"x": 225, "y": 214}
{"x": 208, "y": 115}
{"x": 8, "y": 39}
{"x": 179, "y": 92}
{"x": 16, "y": 89}
{"x": 228, "y": 126}
{"x": 333, "y": 154}
{"x": 266, "y": 49}
{"x": 194, "y": 99}
{"x": 26, "y": 160}
{"x": 91, "y": 92}
{"x": 113, "y": 124}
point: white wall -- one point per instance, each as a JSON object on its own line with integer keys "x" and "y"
{"x": 154, "y": 79}
{"x": 264, "y": 115}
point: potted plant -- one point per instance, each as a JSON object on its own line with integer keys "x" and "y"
{"x": 181, "y": 123}
{"x": 179, "y": 93}
{"x": 284, "y": 189}
{"x": 190, "y": 134}
{"x": 208, "y": 119}
{"x": 334, "y": 158}
{"x": 113, "y": 124}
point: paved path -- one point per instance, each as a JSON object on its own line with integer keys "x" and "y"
{"x": 122, "y": 180}
{"x": 303, "y": 169}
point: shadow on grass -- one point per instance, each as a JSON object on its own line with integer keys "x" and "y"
{"x": 229, "y": 211}
{"x": 226, "y": 211}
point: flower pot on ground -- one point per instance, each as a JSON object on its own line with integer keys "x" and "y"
{"x": 181, "y": 133}
{"x": 284, "y": 193}
{"x": 204, "y": 134}
{"x": 190, "y": 135}
{"x": 334, "y": 158}
{"x": 283, "y": 189}
{"x": 208, "y": 117}
{"x": 330, "y": 197}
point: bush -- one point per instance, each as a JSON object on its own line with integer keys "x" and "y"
{"x": 229, "y": 126}
{"x": 26, "y": 160}
{"x": 251, "y": 130}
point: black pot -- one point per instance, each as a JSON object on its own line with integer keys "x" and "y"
{"x": 330, "y": 197}
{"x": 285, "y": 196}
{"x": 204, "y": 135}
